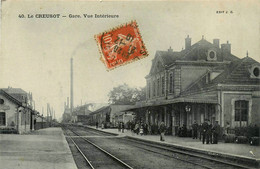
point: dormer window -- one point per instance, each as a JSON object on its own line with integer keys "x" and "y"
{"x": 212, "y": 56}
{"x": 255, "y": 71}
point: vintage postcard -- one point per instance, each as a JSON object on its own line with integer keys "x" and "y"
{"x": 130, "y": 84}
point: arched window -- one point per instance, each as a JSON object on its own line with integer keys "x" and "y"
{"x": 255, "y": 71}
{"x": 212, "y": 55}
{"x": 2, "y": 101}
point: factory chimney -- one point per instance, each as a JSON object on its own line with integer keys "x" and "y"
{"x": 71, "y": 85}
{"x": 68, "y": 103}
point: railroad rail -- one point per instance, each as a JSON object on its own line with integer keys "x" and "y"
{"x": 89, "y": 162}
{"x": 194, "y": 158}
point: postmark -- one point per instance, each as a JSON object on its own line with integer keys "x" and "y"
{"x": 121, "y": 45}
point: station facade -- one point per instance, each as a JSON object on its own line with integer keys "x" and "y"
{"x": 202, "y": 81}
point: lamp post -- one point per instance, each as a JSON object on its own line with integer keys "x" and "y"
{"x": 188, "y": 109}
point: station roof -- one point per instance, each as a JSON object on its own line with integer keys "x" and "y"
{"x": 236, "y": 73}
{"x": 11, "y": 90}
{"x": 111, "y": 108}
{"x": 207, "y": 97}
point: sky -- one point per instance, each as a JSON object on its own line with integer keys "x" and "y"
{"x": 36, "y": 53}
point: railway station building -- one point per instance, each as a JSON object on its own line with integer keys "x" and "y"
{"x": 203, "y": 81}
{"x": 16, "y": 115}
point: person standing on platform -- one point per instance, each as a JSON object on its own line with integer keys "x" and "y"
{"x": 195, "y": 130}
{"x": 216, "y": 131}
{"x": 137, "y": 128}
{"x": 102, "y": 125}
{"x": 119, "y": 127}
{"x": 132, "y": 127}
{"x": 227, "y": 128}
{"x": 162, "y": 130}
{"x": 205, "y": 127}
{"x": 96, "y": 125}
{"x": 209, "y": 133}
{"x": 200, "y": 131}
{"x": 123, "y": 127}
{"x": 145, "y": 129}
{"x": 141, "y": 130}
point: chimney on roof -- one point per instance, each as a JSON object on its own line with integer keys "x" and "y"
{"x": 170, "y": 49}
{"x": 226, "y": 47}
{"x": 187, "y": 42}
{"x": 216, "y": 42}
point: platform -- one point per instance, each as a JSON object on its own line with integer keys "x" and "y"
{"x": 42, "y": 149}
{"x": 225, "y": 149}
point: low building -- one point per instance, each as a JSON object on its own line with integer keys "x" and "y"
{"x": 15, "y": 113}
{"x": 40, "y": 122}
{"x": 124, "y": 117}
{"x": 80, "y": 114}
{"x": 106, "y": 115}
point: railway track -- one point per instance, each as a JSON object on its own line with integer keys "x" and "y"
{"x": 196, "y": 159}
{"x": 190, "y": 157}
{"x": 95, "y": 156}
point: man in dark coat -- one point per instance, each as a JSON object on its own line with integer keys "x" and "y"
{"x": 122, "y": 126}
{"x": 195, "y": 130}
{"x": 200, "y": 130}
{"x": 216, "y": 131}
{"x": 209, "y": 133}
{"x": 96, "y": 124}
{"x": 162, "y": 130}
{"x": 205, "y": 127}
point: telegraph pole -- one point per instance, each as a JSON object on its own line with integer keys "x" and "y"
{"x": 71, "y": 85}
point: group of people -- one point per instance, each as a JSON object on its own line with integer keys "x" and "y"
{"x": 102, "y": 125}
{"x": 207, "y": 131}
{"x": 139, "y": 128}
{"x": 142, "y": 128}
{"x": 121, "y": 127}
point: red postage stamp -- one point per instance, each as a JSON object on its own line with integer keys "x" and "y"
{"x": 121, "y": 45}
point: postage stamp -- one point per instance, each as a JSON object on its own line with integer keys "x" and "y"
{"x": 121, "y": 45}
